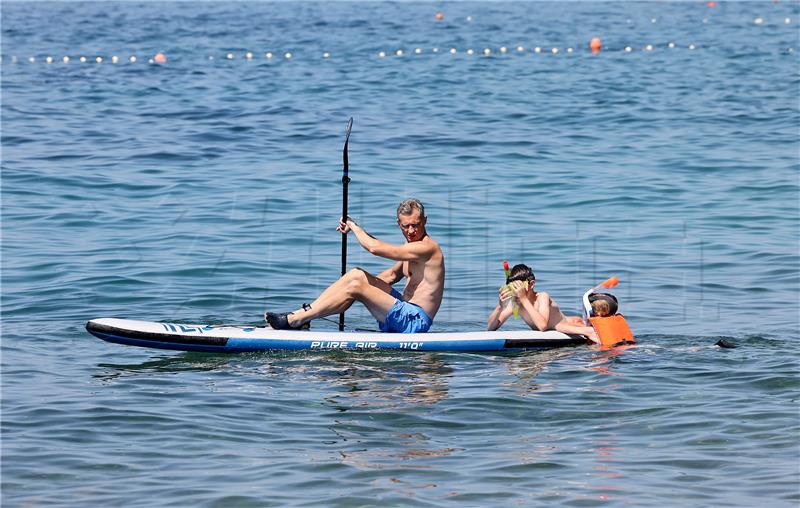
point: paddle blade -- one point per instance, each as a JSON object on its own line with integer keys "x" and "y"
{"x": 345, "y": 162}
{"x": 348, "y": 129}
{"x": 610, "y": 283}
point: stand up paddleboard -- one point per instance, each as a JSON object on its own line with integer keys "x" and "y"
{"x": 240, "y": 339}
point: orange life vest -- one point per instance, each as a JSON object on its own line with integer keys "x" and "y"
{"x": 612, "y": 330}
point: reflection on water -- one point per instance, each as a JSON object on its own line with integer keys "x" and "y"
{"x": 525, "y": 368}
{"x": 188, "y": 362}
{"x": 378, "y": 407}
{"x": 362, "y": 379}
{"x": 606, "y": 359}
{"x": 606, "y": 473}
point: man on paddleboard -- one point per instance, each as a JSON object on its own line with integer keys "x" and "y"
{"x": 419, "y": 260}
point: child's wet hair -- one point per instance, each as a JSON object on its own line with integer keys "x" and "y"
{"x": 601, "y": 308}
{"x": 520, "y": 272}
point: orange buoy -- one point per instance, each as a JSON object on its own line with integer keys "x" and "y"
{"x": 160, "y": 58}
{"x": 712, "y": 3}
{"x": 439, "y": 16}
{"x": 595, "y": 45}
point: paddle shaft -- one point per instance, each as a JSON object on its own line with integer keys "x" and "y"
{"x": 345, "y": 182}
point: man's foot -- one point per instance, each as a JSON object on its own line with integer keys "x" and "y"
{"x": 280, "y": 321}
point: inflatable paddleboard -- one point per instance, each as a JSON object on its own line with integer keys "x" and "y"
{"x": 239, "y": 339}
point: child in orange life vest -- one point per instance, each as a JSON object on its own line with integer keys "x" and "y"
{"x": 538, "y": 310}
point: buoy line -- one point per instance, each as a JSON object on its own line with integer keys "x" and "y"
{"x": 595, "y": 46}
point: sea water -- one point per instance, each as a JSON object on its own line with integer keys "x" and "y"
{"x": 207, "y": 189}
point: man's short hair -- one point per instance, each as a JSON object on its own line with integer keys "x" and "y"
{"x": 408, "y": 206}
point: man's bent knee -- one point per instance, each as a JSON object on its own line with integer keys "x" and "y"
{"x": 357, "y": 273}
{"x": 355, "y": 286}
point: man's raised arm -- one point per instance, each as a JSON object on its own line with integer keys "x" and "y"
{"x": 412, "y": 251}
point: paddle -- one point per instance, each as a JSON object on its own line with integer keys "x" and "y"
{"x": 345, "y": 181}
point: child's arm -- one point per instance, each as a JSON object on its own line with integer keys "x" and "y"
{"x": 501, "y": 312}
{"x": 537, "y": 316}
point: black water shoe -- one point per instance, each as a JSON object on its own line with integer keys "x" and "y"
{"x": 280, "y": 321}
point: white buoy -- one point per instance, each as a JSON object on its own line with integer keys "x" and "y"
{"x": 417, "y": 51}
{"x": 326, "y": 55}
{"x": 705, "y": 21}
{"x": 229, "y": 56}
{"x": 49, "y": 59}
{"x": 691, "y": 46}
{"x": 628, "y": 49}
{"x": 652, "y": 20}
{"x": 470, "y": 51}
{"x": 487, "y": 51}
{"x": 537, "y": 49}
{"x": 210, "y": 57}
{"x": 287, "y": 55}
{"x": 649, "y": 47}
{"x": 520, "y": 49}
{"x": 503, "y": 50}
{"x": 31, "y": 59}
{"x": 399, "y": 52}
{"x": 435, "y": 50}
{"x": 671, "y": 45}
{"x": 268, "y": 55}
{"x": 132, "y": 59}
{"x": 248, "y": 55}
{"x": 381, "y": 54}
{"x": 65, "y": 59}
{"x": 787, "y": 21}
{"x": 453, "y": 51}
{"x": 758, "y": 21}
{"x": 83, "y": 59}
{"x": 569, "y": 50}
{"x": 470, "y": 18}
{"x": 99, "y": 59}
{"x": 114, "y": 59}
{"x": 554, "y": 51}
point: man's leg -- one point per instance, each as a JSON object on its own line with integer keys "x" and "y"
{"x": 355, "y": 285}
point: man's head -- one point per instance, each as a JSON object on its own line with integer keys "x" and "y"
{"x": 523, "y": 273}
{"x": 411, "y": 219}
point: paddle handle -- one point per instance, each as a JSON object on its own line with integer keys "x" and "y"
{"x": 345, "y": 182}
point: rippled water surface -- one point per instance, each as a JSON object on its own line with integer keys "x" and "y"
{"x": 207, "y": 189}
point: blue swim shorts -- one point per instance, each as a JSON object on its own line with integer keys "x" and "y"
{"x": 405, "y": 317}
